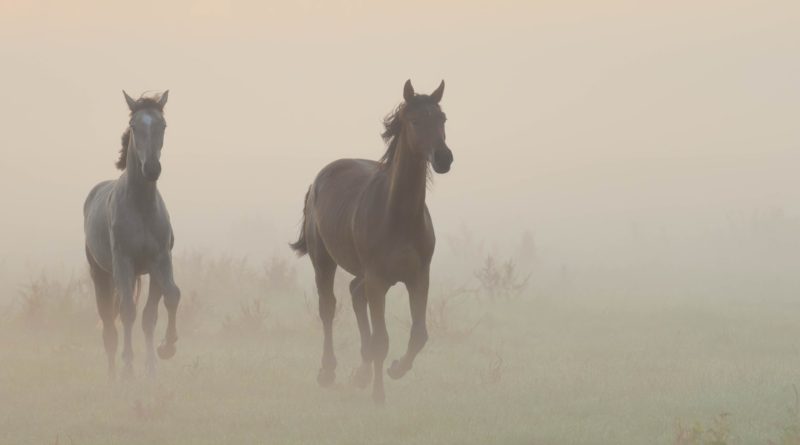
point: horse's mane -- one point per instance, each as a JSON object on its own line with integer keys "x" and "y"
{"x": 393, "y": 125}
{"x": 141, "y": 104}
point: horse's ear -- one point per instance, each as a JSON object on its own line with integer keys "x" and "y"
{"x": 129, "y": 100}
{"x": 437, "y": 95}
{"x": 163, "y": 100}
{"x": 408, "y": 91}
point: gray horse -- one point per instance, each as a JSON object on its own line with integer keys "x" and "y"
{"x": 128, "y": 234}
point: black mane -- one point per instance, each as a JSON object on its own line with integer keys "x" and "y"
{"x": 393, "y": 125}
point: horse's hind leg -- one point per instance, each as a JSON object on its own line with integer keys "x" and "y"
{"x": 325, "y": 271}
{"x": 363, "y": 375}
{"x": 107, "y": 308}
{"x": 149, "y": 317}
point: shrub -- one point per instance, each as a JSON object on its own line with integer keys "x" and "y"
{"x": 718, "y": 433}
{"x": 500, "y": 281}
{"x": 46, "y": 303}
{"x": 249, "y": 321}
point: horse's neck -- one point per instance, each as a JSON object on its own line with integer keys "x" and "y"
{"x": 142, "y": 191}
{"x": 408, "y": 176}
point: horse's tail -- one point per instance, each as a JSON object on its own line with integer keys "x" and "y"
{"x": 300, "y": 247}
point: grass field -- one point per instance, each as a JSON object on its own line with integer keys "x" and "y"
{"x": 558, "y": 361}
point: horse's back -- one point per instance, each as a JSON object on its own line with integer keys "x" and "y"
{"x": 339, "y": 184}
{"x": 349, "y": 174}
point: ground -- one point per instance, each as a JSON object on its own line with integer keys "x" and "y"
{"x": 536, "y": 368}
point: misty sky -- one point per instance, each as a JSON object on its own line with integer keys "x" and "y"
{"x": 574, "y": 120}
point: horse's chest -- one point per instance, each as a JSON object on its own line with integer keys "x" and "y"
{"x": 151, "y": 244}
{"x": 142, "y": 241}
{"x": 147, "y": 252}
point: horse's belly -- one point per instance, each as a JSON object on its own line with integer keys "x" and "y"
{"x": 340, "y": 248}
{"x": 332, "y": 203}
{"x": 98, "y": 240}
{"x": 400, "y": 263}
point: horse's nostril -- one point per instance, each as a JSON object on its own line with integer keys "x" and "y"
{"x": 442, "y": 159}
{"x": 444, "y": 156}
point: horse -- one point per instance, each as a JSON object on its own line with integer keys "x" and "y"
{"x": 128, "y": 234}
{"x": 370, "y": 218}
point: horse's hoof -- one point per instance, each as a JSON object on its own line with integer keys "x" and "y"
{"x": 396, "y": 371}
{"x": 166, "y": 351}
{"x": 362, "y": 377}
{"x": 326, "y": 377}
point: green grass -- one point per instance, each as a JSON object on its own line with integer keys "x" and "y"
{"x": 551, "y": 366}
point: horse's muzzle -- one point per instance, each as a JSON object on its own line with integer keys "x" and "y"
{"x": 151, "y": 170}
{"x": 442, "y": 158}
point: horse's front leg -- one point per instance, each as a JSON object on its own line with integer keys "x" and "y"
{"x": 149, "y": 318}
{"x": 162, "y": 274}
{"x": 124, "y": 277}
{"x": 379, "y": 342}
{"x": 418, "y": 301}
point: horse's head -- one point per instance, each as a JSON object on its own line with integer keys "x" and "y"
{"x": 146, "y": 134}
{"x": 423, "y": 126}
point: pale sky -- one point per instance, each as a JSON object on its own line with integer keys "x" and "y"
{"x": 573, "y": 120}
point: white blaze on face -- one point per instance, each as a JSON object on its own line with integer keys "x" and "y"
{"x": 145, "y": 120}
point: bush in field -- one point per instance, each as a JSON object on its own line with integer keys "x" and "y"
{"x": 227, "y": 275}
{"x": 47, "y": 303}
{"x": 250, "y": 320}
{"x": 279, "y": 276}
{"x": 217, "y": 290}
{"x": 500, "y": 280}
{"x": 232, "y": 291}
{"x": 219, "y": 279}
{"x": 718, "y": 433}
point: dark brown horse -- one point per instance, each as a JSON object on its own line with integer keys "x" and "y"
{"x": 370, "y": 218}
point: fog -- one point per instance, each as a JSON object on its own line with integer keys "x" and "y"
{"x": 573, "y": 120}
{"x": 646, "y": 141}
